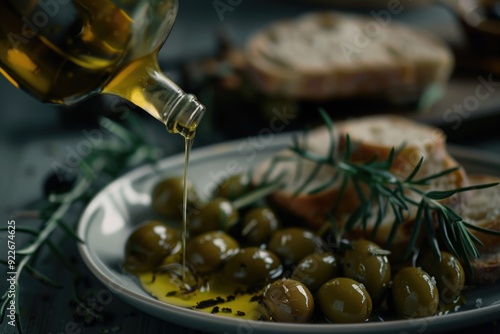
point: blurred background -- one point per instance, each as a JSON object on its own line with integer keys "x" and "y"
{"x": 34, "y": 135}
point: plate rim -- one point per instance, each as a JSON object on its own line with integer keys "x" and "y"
{"x": 473, "y": 316}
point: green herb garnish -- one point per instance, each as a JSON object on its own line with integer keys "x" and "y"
{"x": 120, "y": 152}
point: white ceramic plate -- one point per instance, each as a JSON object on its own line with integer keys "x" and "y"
{"x": 108, "y": 220}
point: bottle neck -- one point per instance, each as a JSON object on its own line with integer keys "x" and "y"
{"x": 143, "y": 83}
{"x": 184, "y": 116}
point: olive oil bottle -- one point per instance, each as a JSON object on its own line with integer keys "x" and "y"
{"x": 62, "y": 51}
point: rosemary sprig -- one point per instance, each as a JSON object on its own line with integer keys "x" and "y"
{"x": 378, "y": 188}
{"x": 110, "y": 158}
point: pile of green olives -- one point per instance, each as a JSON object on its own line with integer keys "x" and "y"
{"x": 302, "y": 278}
{"x": 351, "y": 286}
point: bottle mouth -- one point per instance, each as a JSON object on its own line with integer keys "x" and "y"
{"x": 185, "y": 116}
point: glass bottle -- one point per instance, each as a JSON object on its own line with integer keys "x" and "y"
{"x": 63, "y": 51}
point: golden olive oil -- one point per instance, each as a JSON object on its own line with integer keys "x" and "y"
{"x": 216, "y": 295}
{"x": 62, "y": 52}
{"x": 188, "y": 144}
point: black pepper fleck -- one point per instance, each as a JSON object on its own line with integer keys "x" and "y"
{"x": 256, "y": 298}
{"x": 209, "y": 303}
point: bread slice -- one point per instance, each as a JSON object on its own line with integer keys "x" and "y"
{"x": 375, "y": 136}
{"x": 371, "y": 137}
{"x": 304, "y": 203}
{"x": 327, "y": 55}
{"x": 483, "y": 209}
{"x": 403, "y": 232}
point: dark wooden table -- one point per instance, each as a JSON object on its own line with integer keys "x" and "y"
{"x": 33, "y": 136}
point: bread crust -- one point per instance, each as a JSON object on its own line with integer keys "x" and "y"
{"x": 483, "y": 210}
{"x": 486, "y": 269}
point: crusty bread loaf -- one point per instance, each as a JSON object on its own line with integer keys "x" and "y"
{"x": 370, "y": 137}
{"x": 329, "y": 55}
{"x": 483, "y": 209}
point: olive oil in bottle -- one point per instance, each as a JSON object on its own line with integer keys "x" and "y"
{"x": 62, "y": 51}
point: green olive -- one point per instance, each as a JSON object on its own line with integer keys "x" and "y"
{"x": 251, "y": 266}
{"x": 208, "y": 251}
{"x": 292, "y": 244}
{"x": 288, "y": 300}
{"x": 315, "y": 269}
{"x": 233, "y": 186}
{"x": 217, "y": 214}
{"x": 367, "y": 263}
{"x": 414, "y": 293}
{"x": 344, "y": 300}
{"x": 148, "y": 245}
{"x": 259, "y": 224}
{"x": 449, "y": 274}
{"x": 168, "y": 196}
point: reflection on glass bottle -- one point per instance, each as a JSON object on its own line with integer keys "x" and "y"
{"x": 62, "y": 51}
